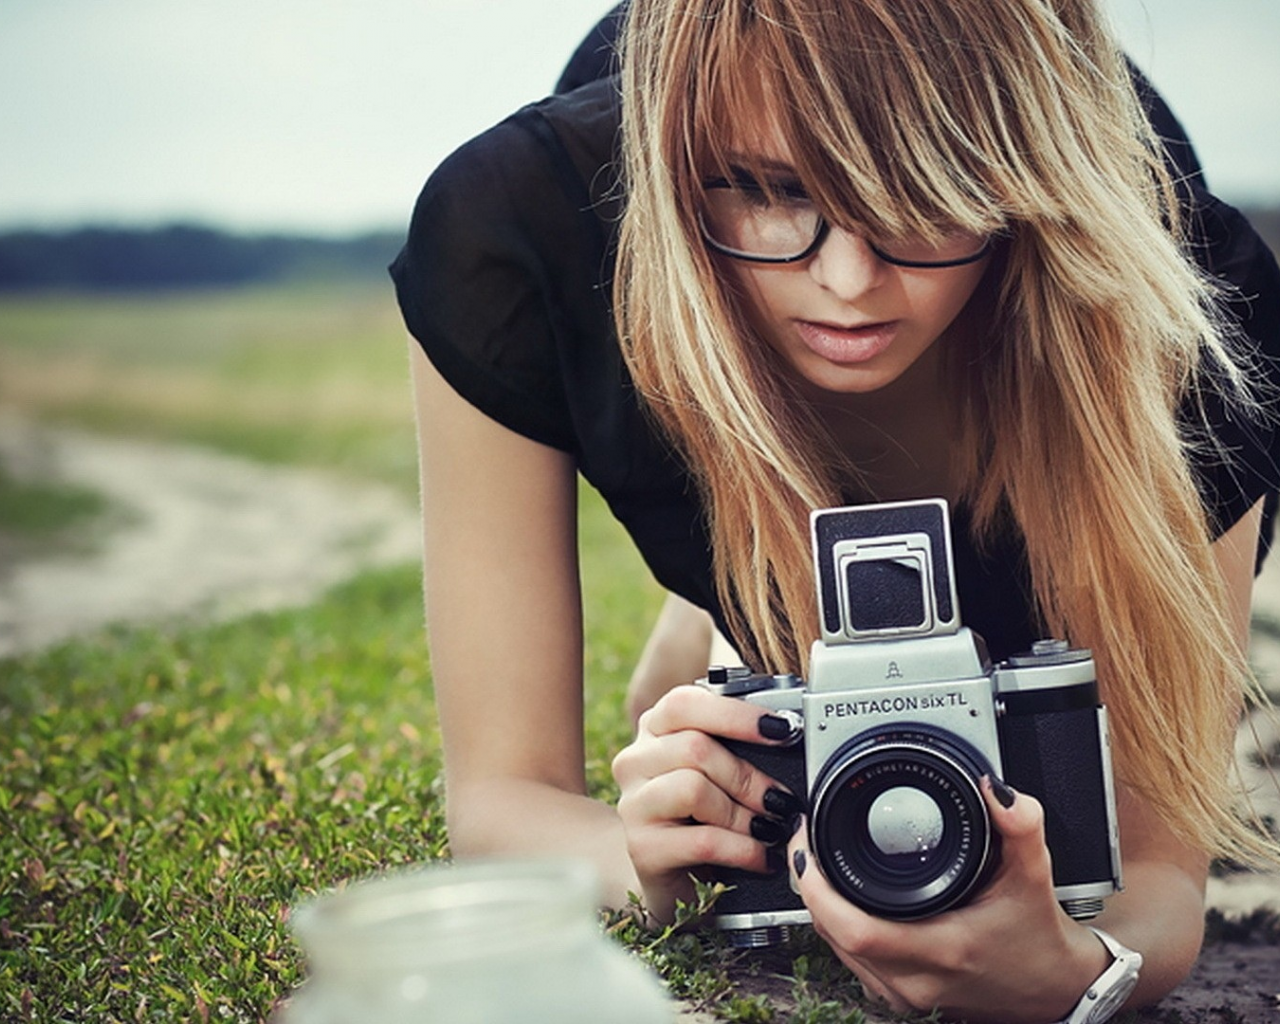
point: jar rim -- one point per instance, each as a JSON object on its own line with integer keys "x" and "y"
{"x": 448, "y": 911}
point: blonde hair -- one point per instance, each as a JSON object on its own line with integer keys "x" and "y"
{"x": 1018, "y": 116}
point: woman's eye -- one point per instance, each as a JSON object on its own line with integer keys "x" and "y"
{"x": 754, "y": 195}
{"x": 773, "y": 193}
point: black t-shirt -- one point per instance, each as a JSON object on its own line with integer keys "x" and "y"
{"x": 505, "y": 282}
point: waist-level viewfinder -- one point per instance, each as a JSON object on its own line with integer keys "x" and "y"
{"x": 884, "y": 572}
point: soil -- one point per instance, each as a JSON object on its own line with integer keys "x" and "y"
{"x": 1232, "y": 983}
{"x": 212, "y": 536}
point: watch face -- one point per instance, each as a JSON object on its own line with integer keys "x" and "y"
{"x": 1113, "y": 998}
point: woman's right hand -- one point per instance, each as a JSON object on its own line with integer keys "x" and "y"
{"x": 687, "y": 801}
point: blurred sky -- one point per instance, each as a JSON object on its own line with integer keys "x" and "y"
{"x": 328, "y": 114}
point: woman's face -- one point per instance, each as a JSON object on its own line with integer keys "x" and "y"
{"x": 843, "y": 319}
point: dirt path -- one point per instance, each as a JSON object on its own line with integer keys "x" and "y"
{"x": 211, "y": 535}
{"x": 202, "y": 534}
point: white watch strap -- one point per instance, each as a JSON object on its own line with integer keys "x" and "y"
{"x": 1107, "y": 994}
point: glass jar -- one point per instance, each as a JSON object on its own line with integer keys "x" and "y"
{"x": 484, "y": 942}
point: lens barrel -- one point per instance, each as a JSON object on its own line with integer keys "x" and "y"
{"x": 899, "y": 824}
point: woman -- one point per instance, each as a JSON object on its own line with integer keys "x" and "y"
{"x": 869, "y": 250}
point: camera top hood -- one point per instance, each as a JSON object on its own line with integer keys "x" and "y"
{"x": 884, "y": 571}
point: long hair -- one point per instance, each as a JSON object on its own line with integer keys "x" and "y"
{"x": 1017, "y": 116}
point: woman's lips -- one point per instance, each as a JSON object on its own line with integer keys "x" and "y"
{"x": 847, "y": 345}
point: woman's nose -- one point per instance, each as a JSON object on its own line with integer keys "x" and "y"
{"x": 846, "y": 265}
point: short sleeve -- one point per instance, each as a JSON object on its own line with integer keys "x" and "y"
{"x": 476, "y": 279}
{"x": 597, "y": 55}
{"x": 1237, "y": 465}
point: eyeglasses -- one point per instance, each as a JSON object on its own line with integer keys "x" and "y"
{"x": 779, "y": 223}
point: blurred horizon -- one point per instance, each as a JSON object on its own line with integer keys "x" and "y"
{"x": 324, "y": 120}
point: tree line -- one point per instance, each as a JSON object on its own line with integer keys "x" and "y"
{"x": 183, "y": 256}
{"x": 192, "y": 256}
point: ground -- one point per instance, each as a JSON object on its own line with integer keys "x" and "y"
{"x": 211, "y": 535}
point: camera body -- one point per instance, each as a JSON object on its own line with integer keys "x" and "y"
{"x": 901, "y": 716}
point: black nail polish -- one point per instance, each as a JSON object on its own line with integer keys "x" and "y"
{"x": 782, "y": 804}
{"x": 767, "y": 830}
{"x": 775, "y": 861}
{"x": 793, "y": 825}
{"x": 774, "y": 727}
{"x": 1003, "y": 793}
{"x": 801, "y": 862}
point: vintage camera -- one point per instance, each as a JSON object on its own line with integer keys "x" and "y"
{"x": 901, "y": 716}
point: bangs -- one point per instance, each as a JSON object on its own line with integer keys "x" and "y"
{"x": 895, "y": 122}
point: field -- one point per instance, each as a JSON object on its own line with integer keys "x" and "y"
{"x": 305, "y": 375}
{"x": 168, "y": 792}
{"x": 166, "y": 795}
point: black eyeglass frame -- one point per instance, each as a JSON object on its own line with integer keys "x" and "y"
{"x": 820, "y": 236}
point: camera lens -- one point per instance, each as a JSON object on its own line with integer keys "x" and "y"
{"x": 905, "y": 823}
{"x": 899, "y": 824}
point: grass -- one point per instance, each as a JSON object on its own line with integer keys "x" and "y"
{"x": 45, "y": 510}
{"x": 165, "y": 798}
{"x": 167, "y": 793}
{"x": 43, "y": 517}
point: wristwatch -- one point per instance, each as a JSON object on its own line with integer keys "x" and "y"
{"x": 1106, "y": 995}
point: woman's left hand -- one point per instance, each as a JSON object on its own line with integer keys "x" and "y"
{"x": 1011, "y": 954}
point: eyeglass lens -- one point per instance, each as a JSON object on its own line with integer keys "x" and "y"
{"x": 780, "y": 224}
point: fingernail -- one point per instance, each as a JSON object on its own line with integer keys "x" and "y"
{"x": 782, "y": 804}
{"x": 801, "y": 862}
{"x": 778, "y": 727}
{"x": 793, "y": 826}
{"x": 1003, "y": 793}
{"x": 775, "y": 861}
{"x": 767, "y": 830}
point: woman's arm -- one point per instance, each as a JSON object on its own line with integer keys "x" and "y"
{"x": 1161, "y": 911}
{"x": 505, "y": 626}
{"x": 678, "y": 651}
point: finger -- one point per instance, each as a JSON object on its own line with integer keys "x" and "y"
{"x": 854, "y": 936}
{"x": 1019, "y": 818}
{"x": 683, "y": 795}
{"x": 675, "y": 847}
{"x": 850, "y": 931}
{"x": 693, "y": 707}
{"x": 745, "y": 784}
{"x": 876, "y": 989}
